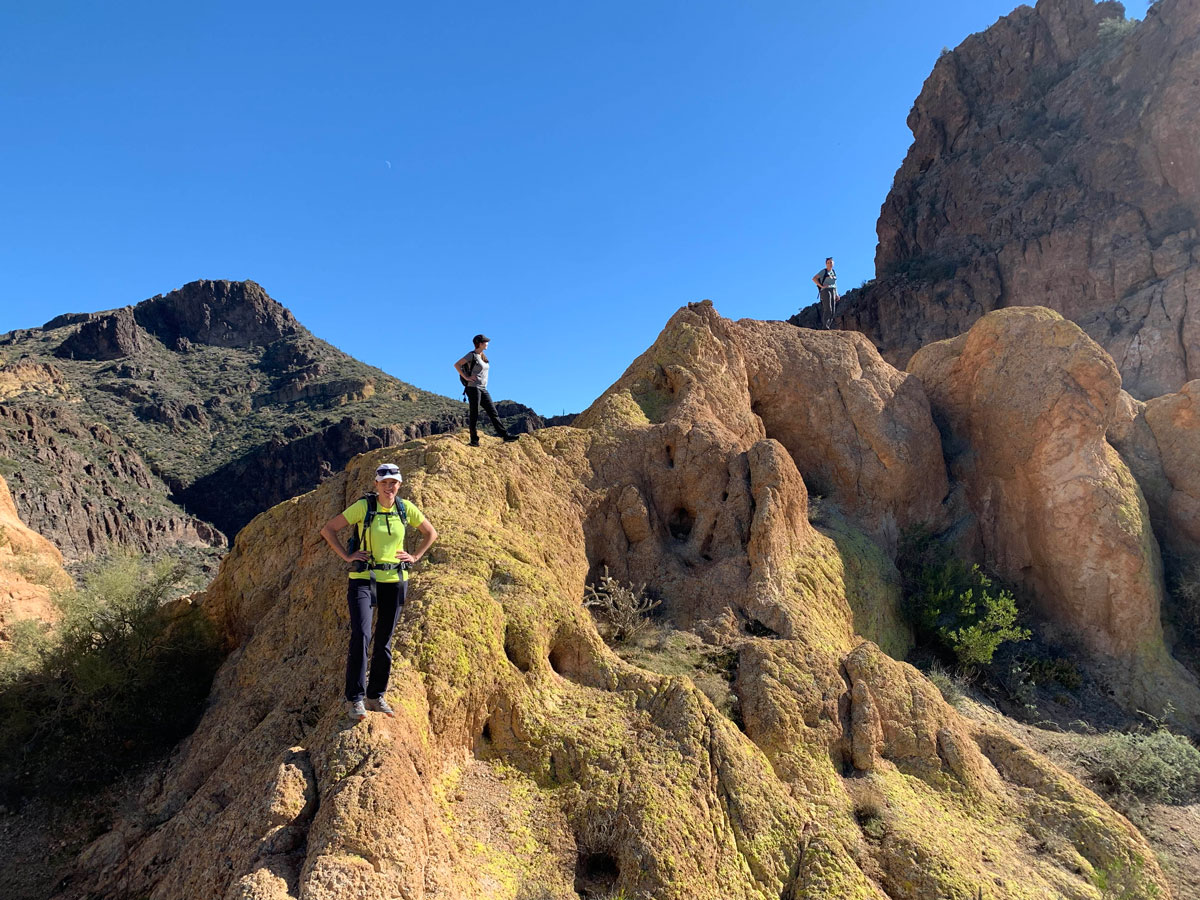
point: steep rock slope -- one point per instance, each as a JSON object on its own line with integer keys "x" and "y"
{"x": 527, "y": 760}
{"x": 1054, "y": 163}
{"x": 30, "y": 568}
{"x": 138, "y": 426}
{"x": 1027, "y": 399}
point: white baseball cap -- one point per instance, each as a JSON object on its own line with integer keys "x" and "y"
{"x": 388, "y": 472}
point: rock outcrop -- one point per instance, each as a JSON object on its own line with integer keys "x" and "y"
{"x": 1160, "y": 440}
{"x": 528, "y": 760}
{"x": 217, "y": 313}
{"x": 30, "y": 569}
{"x": 110, "y": 336}
{"x": 1054, "y": 163}
{"x": 1026, "y": 399}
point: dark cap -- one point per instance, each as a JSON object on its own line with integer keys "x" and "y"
{"x": 480, "y": 339}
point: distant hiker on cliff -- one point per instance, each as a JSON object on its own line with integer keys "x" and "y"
{"x": 472, "y": 371}
{"x": 826, "y": 282}
{"x": 380, "y": 578}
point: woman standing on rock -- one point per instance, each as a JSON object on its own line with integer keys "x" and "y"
{"x": 472, "y": 371}
{"x": 380, "y": 577}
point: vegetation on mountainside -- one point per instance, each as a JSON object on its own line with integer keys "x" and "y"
{"x": 1154, "y": 765}
{"x": 120, "y": 680}
{"x": 953, "y": 604}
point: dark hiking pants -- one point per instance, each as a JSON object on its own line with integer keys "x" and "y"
{"x": 478, "y": 397}
{"x": 391, "y": 601}
{"x": 829, "y": 299}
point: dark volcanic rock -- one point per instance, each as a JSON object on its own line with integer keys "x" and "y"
{"x": 110, "y": 336}
{"x": 87, "y": 490}
{"x": 218, "y": 313}
{"x": 1054, "y": 163}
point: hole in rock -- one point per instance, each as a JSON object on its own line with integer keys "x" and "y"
{"x": 755, "y": 628}
{"x": 596, "y": 875}
{"x": 483, "y": 742}
{"x": 680, "y": 524}
{"x": 513, "y": 649}
{"x": 670, "y": 457}
{"x": 724, "y": 496}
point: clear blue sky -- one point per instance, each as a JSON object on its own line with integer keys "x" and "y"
{"x": 562, "y": 176}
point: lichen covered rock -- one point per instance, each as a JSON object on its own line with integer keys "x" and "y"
{"x": 528, "y": 760}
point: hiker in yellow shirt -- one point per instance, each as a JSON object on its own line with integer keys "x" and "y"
{"x": 380, "y": 578}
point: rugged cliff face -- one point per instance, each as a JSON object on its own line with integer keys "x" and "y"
{"x": 529, "y": 761}
{"x": 30, "y": 568}
{"x": 1054, "y": 163}
{"x": 172, "y": 421}
{"x": 1026, "y": 400}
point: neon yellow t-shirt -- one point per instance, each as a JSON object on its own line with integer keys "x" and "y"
{"x": 385, "y": 537}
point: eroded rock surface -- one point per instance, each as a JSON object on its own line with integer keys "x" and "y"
{"x": 1160, "y": 441}
{"x": 1054, "y": 163}
{"x": 529, "y": 761}
{"x": 1026, "y": 399}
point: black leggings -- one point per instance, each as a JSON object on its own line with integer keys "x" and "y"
{"x": 391, "y": 601}
{"x": 478, "y": 397}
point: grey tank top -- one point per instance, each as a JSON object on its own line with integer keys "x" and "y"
{"x": 478, "y": 366}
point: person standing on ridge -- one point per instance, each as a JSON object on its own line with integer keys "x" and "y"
{"x": 472, "y": 371}
{"x": 826, "y": 282}
{"x": 380, "y": 578}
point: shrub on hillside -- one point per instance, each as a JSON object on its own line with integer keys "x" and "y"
{"x": 955, "y": 604}
{"x": 120, "y": 681}
{"x": 620, "y": 610}
{"x": 1158, "y": 766}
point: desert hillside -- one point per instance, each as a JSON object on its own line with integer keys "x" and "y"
{"x": 530, "y": 760}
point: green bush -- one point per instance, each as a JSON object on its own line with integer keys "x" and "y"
{"x": 1159, "y": 766}
{"x": 120, "y": 681}
{"x": 955, "y": 604}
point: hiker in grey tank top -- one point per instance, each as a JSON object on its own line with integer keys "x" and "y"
{"x": 473, "y": 373}
{"x": 826, "y": 282}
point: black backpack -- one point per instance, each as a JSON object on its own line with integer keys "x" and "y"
{"x": 470, "y": 369}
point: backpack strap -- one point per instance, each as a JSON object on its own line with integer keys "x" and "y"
{"x": 372, "y": 507}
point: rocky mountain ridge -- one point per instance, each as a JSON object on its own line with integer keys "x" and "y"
{"x": 173, "y": 422}
{"x": 1054, "y": 163}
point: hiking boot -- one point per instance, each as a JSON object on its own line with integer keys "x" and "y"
{"x": 357, "y": 710}
{"x": 473, "y": 443}
{"x": 509, "y": 438}
{"x": 380, "y": 704}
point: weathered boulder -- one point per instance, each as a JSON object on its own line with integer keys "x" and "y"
{"x": 31, "y": 568}
{"x": 1054, "y": 162}
{"x": 528, "y": 760}
{"x": 1026, "y": 399}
